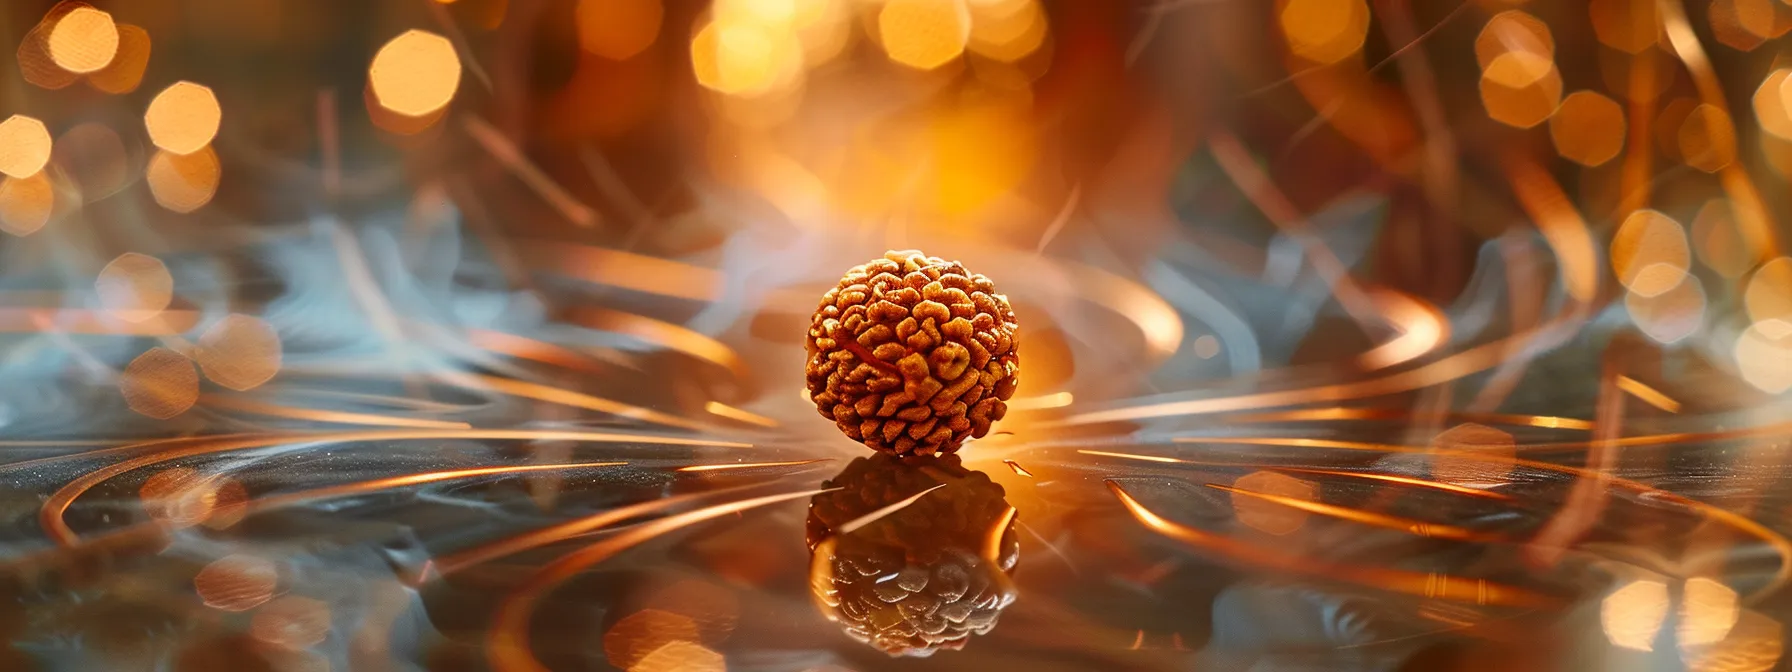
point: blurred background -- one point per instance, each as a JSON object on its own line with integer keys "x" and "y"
{"x": 468, "y": 334}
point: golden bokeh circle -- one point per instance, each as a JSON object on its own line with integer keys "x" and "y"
{"x": 1650, "y": 253}
{"x": 618, "y": 29}
{"x": 183, "y": 118}
{"x": 184, "y": 182}
{"x": 24, "y": 146}
{"x": 1769, "y": 293}
{"x": 26, "y": 204}
{"x": 236, "y": 582}
{"x": 83, "y": 41}
{"x": 160, "y": 384}
{"x": 240, "y": 352}
{"x": 134, "y": 287}
{"x": 1521, "y": 89}
{"x": 1513, "y": 30}
{"x": 924, "y": 34}
{"x": 415, "y": 74}
{"x": 1324, "y": 31}
{"x": 1588, "y": 128}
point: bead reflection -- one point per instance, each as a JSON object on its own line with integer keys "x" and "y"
{"x": 912, "y": 556}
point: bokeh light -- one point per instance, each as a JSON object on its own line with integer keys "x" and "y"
{"x": 1744, "y": 25}
{"x": 84, "y": 40}
{"x": 1324, "y": 31}
{"x": 1708, "y": 610}
{"x": 1588, "y": 128}
{"x": 1649, "y": 253}
{"x": 236, "y": 582}
{"x": 93, "y": 157}
{"x": 1630, "y": 26}
{"x": 1521, "y": 89}
{"x": 1206, "y": 346}
{"x": 1267, "y": 516}
{"x": 1718, "y": 242}
{"x": 640, "y": 633}
{"x": 1707, "y": 139}
{"x": 1755, "y": 643}
{"x": 1671, "y": 316}
{"x": 1770, "y": 101}
{"x": 35, "y": 64}
{"x": 415, "y": 74}
{"x": 1473, "y": 455}
{"x": 26, "y": 204}
{"x": 713, "y": 608}
{"x": 125, "y": 73}
{"x": 134, "y": 287}
{"x": 1007, "y": 30}
{"x": 177, "y": 496}
{"x": 618, "y": 29}
{"x": 1513, "y": 30}
{"x": 291, "y": 621}
{"x": 744, "y": 58}
{"x": 160, "y": 384}
{"x": 24, "y": 146}
{"x": 924, "y": 34}
{"x": 184, "y": 182}
{"x": 1769, "y": 293}
{"x": 1633, "y": 614}
{"x": 183, "y": 118}
{"x": 680, "y": 656}
{"x": 240, "y": 352}
{"x": 1764, "y": 355}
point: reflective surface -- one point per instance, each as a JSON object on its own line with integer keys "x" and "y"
{"x": 469, "y": 335}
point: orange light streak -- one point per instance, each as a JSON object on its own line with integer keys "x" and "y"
{"x": 50, "y": 514}
{"x": 853, "y": 525}
{"x": 627, "y": 270}
{"x": 747, "y": 465}
{"x": 507, "y": 153}
{"x": 378, "y": 484}
{"x": 992, "y": 541}
{"x": 732, "y": 413}
{"x": 1432, "y": 585}
{"x": 1389, "y": 478}
{"x": 564, "y": 397}
{"x": 1418, "y": 527}
{"x": 1015, "y": 466}
{"x": 1562, "y": 227}
{"x": 319, "y": 415}
{"x": 1346, "y": 413}
{"x": 1649, "y": 395}
{"x": 507, "y": 643}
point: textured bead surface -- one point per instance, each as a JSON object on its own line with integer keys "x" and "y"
{"x": 912, "y": 355}
{"x": 925, "y": 578}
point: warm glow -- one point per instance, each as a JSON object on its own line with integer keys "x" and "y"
{"x": 1707, "y": 140}
{"x": 1629, "y": 26}
{"x": 1707, "y": 612}
{"x": 1717, "y": 240}
{"x": 1649, "y": 253}
{"x": 26, "y": 205}
{"x": 93, "y": 157}
{"x": 183, "y": 183}
{"x": 1771, "y": 108}
{"x": 239, "y": 352}
{"x": 1206, "y": 346}
{"x": 1521, "y": 89}
{"x": 24, "y": 146}
{"x": 291, "y": 622}
{"x": 618, "y": 29}
{"x": 160, "y": 384}
{"x": 1744, "y": 25}
{"x": 1267, "y": 516}
{"x": 177, "y": 497}
{"x": 1671, "y": 316}
{"x": 1513, "y": 30}
{"x": 638, "y": 634}
{"x": 1769, "y": 294}
{"x": 1633, "y": 615}
{"x": 1754, "y": 643}
{"x": 125, "y": 72}
{"x": 1764, "y": 355}
{"x": 1324, "y": 31}
{"x": 924, "y": 34}
{"x": 415, "y": 73}
{"x": 680, "y": 656}
{"x": 84, "y": 40}
{"x": 134, "y": 287}
{"x": 236, "y": 582}
{"x": 183, "y": 118}
{"x": 1473, "y": 455}
{"x": 744, "y": 58}
{"x": 1588, "y": 128}
{"x": 1008, "y": 30}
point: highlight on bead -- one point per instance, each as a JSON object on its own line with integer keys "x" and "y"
{"x": 912, "y": 355}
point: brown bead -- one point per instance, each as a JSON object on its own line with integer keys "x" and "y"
{"x": 912, "y": 355}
